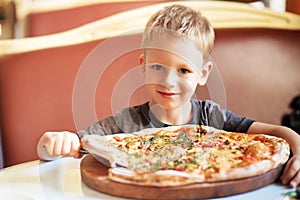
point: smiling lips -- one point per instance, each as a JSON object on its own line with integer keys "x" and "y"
{"x": 167, "y": 94}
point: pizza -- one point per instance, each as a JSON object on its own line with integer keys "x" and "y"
{"x": 180, "y": 155}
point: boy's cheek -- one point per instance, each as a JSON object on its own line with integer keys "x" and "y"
{"x": 151, "y": 78}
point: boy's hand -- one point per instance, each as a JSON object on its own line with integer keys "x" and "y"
{"x": 55, "y": 144}
{"x": 291, "y": 173}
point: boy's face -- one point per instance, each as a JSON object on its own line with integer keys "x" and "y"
{"x": 173, "y": 72}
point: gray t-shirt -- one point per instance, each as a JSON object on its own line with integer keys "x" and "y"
{"x": 139, "y": 117}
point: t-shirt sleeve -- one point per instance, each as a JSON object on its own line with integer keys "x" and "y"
{"x": 225, "y": 119}
{"x": 236, "y": 123}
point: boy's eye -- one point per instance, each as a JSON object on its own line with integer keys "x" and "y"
{"x": 184, "y": 71}
{"x": 157, "y": 67}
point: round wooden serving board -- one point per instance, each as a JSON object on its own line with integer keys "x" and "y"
{"x": 95, "y": 175}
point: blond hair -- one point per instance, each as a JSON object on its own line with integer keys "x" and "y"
{"x": 182, "y": 21}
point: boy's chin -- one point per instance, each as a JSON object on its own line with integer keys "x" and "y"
{"x": 167, "y": 106}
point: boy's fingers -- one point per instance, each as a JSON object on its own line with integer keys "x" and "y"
{"x": 49, "y": 145}
{"x": 75, "y": 149}
{"x": 66, "y": 147}
{"x": 291, "y": 173}
{"x": 58, "y": 144}
{"x": 296, "y": 180}
{"x": 51, "y": 142}
{"x": 286, "y": 173}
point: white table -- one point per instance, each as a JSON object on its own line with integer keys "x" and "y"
{"x": 60, "y": 179}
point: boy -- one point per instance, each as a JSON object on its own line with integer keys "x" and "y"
{"x": 177, "y": 43}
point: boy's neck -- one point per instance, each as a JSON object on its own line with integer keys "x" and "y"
{"x": 179, "y": 116}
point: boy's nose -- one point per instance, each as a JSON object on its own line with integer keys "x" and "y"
{"x": 170, "y": 79}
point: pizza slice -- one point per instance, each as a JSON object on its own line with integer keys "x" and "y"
{"x": 140, "y": 155}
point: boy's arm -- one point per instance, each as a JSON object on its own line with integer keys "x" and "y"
{"x": 291, "y": 172}
{"x": 279, "y": 131}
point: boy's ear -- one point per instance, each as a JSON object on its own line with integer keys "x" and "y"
{"x": 142, "y": 62}
{"x": 204, "y": 74}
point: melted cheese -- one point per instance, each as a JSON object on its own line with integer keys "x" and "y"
{"x": 206, "y": 151}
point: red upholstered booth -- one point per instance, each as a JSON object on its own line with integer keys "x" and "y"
{"x": 47, "y": 17}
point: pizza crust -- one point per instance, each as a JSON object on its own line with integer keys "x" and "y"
{"x": 159, "y": 178}
{"x": 282, "y": 154}
{"x": 103, "y": 151}
{"x": 163, "y": 178}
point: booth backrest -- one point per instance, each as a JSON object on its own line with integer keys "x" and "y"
{"x": 53, "y": 83}
{"x": 37, "y": 95}
{"x": 260, "y": 71}
{"x": 44, "y": 17}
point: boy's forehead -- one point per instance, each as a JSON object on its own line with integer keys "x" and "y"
{"x": 184, "y": 48}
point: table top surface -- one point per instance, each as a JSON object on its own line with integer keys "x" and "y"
{"x": 61, "y": 179}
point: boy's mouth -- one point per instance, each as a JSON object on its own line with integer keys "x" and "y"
{"x": 167, "y": 94}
